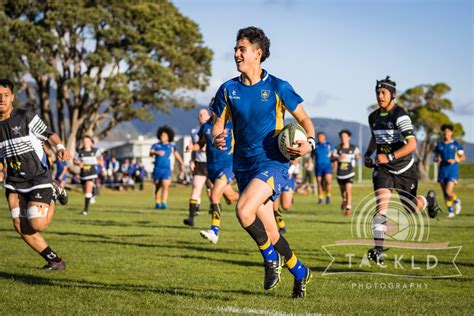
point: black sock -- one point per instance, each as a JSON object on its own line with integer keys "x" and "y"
{"x": 193, "y": 208}
{"x": 257, "y": 231}
{"x": 283, "y": 248}
{"x": 216, "y": 208}
{"x": 49, "y": 255}
{"x": 279, "y": 219}
{"x": 86, "y": 204}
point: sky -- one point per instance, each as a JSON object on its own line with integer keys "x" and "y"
{"x": 332, "y": 51}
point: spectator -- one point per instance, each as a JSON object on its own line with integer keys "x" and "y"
{"x": 125, "y": 165}
{"x": 132, "y": 167}
{"x": 140, "y": 175}
{"x": 114, "y": 166}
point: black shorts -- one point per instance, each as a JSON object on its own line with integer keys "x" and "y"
{"x": 200, "y": 169}
{"x": 344, "y": 181}
{"x": 88, "y": 173}
{"x": 406, "y": 184}
{"x": 36, "y": 190}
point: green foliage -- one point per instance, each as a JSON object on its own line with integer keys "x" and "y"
{"x": 110, "y": 61}
{"x": 425, "y": 104}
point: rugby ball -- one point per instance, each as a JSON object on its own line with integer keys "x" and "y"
{"x": 288, "y": 135}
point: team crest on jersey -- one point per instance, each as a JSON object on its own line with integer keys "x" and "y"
{"x": 265, "y": 94}
{"x": 16, "y": 129}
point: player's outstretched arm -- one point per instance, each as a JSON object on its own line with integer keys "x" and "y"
{"x": 180, "y": 160}
{"x": 61, "y": 151}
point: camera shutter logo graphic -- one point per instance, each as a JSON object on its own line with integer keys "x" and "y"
{"x": 403, "y": 223}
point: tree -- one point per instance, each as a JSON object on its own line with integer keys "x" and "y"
{"x": 426, "y": 105}
{"x": 88, "y": 65}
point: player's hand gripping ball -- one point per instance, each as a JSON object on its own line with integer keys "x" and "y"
{"x": 288, "y": 137}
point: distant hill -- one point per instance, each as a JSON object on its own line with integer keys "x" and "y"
{"x": 183, "y": 121}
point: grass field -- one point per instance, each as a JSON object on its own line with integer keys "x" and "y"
{"x": 127, "y": 258}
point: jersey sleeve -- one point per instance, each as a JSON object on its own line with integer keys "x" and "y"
{"x": 173, "y": 147}
{"x": 437, "y": 151}
{"x": 37, "y": 127}
{"x": 200, "y": 133}
{"x": 370, "y": 121}
{"x": 221, "y": 106}
{"x": 335, "y": 153}
{"x": 288, "y": 96}
{"x": 405, "y": 126}
{"x": 356, "y": 151}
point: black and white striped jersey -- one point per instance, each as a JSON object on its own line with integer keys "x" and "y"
{"x": 345, "y": 164}
{"x": 390, "y": 131}
{"x": 89, "y": 161}
{"x": 21, "y": 146}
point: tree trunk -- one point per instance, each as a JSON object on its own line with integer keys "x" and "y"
{"x": 44, "y": 85}
{"x": 425, "y": 158}
{"x": 75, "y": 124}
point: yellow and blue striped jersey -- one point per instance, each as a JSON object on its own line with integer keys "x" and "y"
{"x": 216, "y": 158}
{"x": 162, "y": 158}
{"x": 448, "y": 151}
{"x": 257, "y": 113}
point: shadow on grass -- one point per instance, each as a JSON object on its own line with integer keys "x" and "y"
{"x": 455, "y": 227}
{"x": 466, "y": 214}
{"x": 164, "y": 246}
{"x": 79, "y": 234}
{"x": 328, "y": 222}
{"x": 110, "y": 223}
{"x": 70, "y": 283}
{"x": 244, "y": 263}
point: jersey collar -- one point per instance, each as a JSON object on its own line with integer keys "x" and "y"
{"x": 264, "y": 76}
{"x": 389, "y": 112}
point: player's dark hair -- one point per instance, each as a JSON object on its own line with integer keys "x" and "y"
{"x": 387, "y": 84}
{"x": 90, "y": 137}
{"x": 447, "y": 126}
{"x": 256, "y": 36}
{"x": 165, "y": 129}
{"x": 345, "y": 131}
{"x": 7, "y": 84}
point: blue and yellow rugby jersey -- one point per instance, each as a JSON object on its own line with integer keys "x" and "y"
{"x": 448, "y": 151}
{"x": 163, "y": 161}
{"x": 216, "y": 158}
{"x": 322, "y": 154}
{"x": 257, "y": 114}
